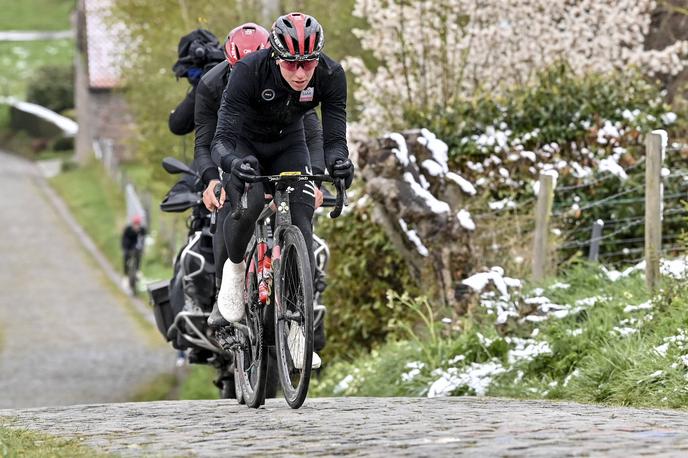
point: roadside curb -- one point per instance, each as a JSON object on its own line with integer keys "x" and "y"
{"x": 61, "y": 207}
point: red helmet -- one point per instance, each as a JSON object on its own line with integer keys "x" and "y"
{"x": 297, "y": 36}
{"x": 244, "y": 40}
{"x": 136, "y": 219}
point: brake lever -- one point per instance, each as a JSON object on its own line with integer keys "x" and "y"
{"x": 217, "y": 190}
{"x": 341, "y": 198}
{"x": 243, "y": 202}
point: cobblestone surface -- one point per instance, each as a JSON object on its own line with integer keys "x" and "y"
{"x": 67, "y": 338}
{"x": 366, "y": 426}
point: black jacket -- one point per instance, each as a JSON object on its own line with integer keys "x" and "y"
{"x": 181, "y": 120}
{"x": 132, "y": 239}
{"x": 259, "y": 105}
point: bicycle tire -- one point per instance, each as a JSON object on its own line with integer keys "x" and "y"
{"x": 131, "y": 274}
{"x": 251, "y": 358}
{"x": 293, "y": 303}
{"x": 239, "y": 394}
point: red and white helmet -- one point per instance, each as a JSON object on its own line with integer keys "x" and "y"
{"x": 297, "y": 36}
{"x": 244, "y": 40}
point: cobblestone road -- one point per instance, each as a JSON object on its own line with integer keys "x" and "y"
{"x": 366, "y": 426}
{"x": 66, "y": 337}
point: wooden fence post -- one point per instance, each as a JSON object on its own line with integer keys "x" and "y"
{"x": 654, "y": 146}
{"x": 594, "y": 253}
{"x": 542, "y": 216}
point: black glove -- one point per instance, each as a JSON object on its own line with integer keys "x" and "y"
{"x": 342, "y": 168}
{"x": 234, "y": 184}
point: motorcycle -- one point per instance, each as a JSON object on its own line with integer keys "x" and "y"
{"x": 182, "y": 305}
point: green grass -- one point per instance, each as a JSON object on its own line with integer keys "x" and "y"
{"x": 588, "y": 361}
{"x": 159, "y": 389}
{"x": 97, "y": 203}
{"x": 199, "y": 383}
{"x": 19, "y": 60}
{"x": 15, "y": 443}
{"x": 35, "y": 14}
{"x": 195, "y": 383}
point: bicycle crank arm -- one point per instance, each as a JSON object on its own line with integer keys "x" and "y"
{"x": 291, "y": 316}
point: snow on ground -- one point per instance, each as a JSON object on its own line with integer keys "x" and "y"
{"x": 476, "y": 376}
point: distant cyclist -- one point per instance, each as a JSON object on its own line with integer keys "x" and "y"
{"x": 133, "y": 239}
{"x": 260, "y": 130}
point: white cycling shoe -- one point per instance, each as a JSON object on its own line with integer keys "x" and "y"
{"x": 230, "y": 299}
{"x": 296, "y": 341}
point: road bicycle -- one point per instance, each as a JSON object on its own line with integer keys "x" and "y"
{"x": 132, "y": 267}
{"x": 278, "y": 297}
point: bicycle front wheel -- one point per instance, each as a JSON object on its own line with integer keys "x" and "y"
{"x": 294, "y": 317}
{"x": 251, "y": 357}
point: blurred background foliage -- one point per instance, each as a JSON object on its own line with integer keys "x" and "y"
{"x": 155, "y": 27}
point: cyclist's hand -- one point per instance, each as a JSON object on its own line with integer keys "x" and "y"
{"x": 342, "y": 168}
{"x": 234, "y": 185}
{"x": 318, "y": 197}
{"x": 247, "y": 165}
{"x": 210, "y": 200}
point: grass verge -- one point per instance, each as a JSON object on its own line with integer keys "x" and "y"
{"x": 199, "y": 383}
{"x": 161, "y": 388}
{"x": 97, "y": 203}
{"x": 16, "y": 443}
{"x": 48, "y": 15}
{"x": 588, "y": 339}
{"x": 195, "y": 383}
{"x": 20, "y": 59}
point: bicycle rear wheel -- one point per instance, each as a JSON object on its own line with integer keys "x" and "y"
{"x": 131, "y": 273}
{"x": 294, "y": 317}
{"x": 251, "y": 357}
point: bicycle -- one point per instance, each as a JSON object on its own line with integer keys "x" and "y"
{"x": 132, "y": 265}
{"x": 277, "y": 258}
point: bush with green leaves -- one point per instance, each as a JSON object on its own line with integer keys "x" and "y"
{"x": 363, "y": 266}
{"x": 52, "y": 86}
{"x": 618, "y": 345}
{"x": 587, "y": 128}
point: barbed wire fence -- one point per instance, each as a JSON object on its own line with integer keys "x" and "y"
{"x": 604, "y": 218}
{"x": 640, "y": 221}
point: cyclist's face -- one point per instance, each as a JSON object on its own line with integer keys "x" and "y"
{"x": 298, "y": 77}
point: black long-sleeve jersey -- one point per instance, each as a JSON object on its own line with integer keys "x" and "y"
{"x": 181, "y": 120}
{"x": 208, "y": 98}
{"x": 259, "y": 105}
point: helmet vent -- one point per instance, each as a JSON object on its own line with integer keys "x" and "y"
{"x": 288, "y": 24}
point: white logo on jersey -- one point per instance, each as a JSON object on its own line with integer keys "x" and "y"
{"x": 307, "y": 95}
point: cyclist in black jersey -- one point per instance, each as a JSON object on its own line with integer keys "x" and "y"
{"x": 260, "y": 130}
{"x": 240, "y": 42}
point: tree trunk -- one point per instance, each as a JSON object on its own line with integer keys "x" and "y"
{"x": 434, "y": 243}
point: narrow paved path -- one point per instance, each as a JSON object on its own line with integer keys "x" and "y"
{"x": 66, "y": 336}
{"x": 366, "y": 427}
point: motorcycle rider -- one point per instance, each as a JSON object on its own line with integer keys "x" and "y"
{"x": 198, "y": 52}
{"x": 260, "y": 129}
